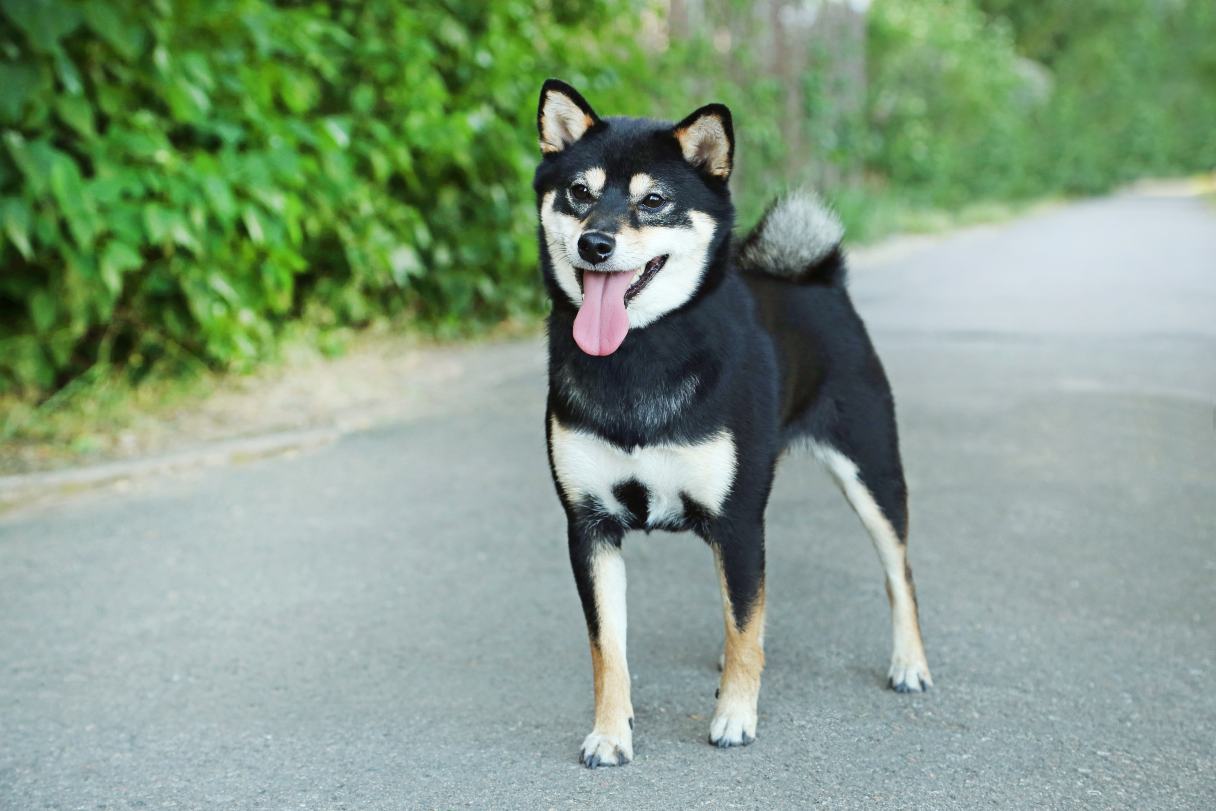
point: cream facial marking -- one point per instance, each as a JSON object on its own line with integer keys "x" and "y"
{"x": 561, "y": 235}
{"x": 640, "y": 185}
{"x": 909, "y": 671}
{"x": 686, "y": 249}
{"x": 588, "y": 466}
{"x": 594, "y": 179}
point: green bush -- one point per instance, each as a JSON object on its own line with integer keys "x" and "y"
{"x": 950, "y": 103}
{"x": 974, "y": 99}
{"x": 1135, "y": 95}
{"x": 179, "y": 179}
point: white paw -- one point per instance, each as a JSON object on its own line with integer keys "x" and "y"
{"x": 601, "y": 749}
{"x": 733, "y": 725}
{"x": 909, "y": 675}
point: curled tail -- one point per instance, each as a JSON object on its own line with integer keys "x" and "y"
{"x": 799, "y": 239}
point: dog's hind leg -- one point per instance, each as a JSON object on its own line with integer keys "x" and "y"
{"x": 871, "y": 477}
{"x": 740, "y": 560}
{"x": 599, "y": 573}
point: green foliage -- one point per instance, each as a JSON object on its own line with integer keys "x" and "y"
{"x": 1008, "y": 98}
{"x": 1139, "y": 89}
{"x": 949, "y": 106}
{"x": 180, "y": 181}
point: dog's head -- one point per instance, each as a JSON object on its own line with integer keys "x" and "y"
{"x": 632, "y": 211}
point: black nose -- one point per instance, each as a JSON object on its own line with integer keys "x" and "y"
{"x": 595, "y": 246}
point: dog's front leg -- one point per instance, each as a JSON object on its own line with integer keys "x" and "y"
{"x": 739, "y": 553}
{"x": 599, "y": 571}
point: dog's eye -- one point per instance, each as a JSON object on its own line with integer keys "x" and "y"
{"x": 581, "y": 193}
{"x": 653, "y": 201}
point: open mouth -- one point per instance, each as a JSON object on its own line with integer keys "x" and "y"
{"x": 602, "y": 320}
{"x": 641, "y": 278}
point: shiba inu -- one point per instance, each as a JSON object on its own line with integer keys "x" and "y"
{"x": 681, "y": 366}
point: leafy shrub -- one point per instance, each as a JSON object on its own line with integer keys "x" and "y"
{"x": 179, "y": 179}
{"x": 974, "y": 99}
{"x": 1134, "y": 95}
{"x": 950, "y": 103}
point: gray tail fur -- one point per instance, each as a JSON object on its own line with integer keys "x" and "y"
{"x": 798, "y": 238}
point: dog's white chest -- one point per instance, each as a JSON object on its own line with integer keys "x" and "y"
{"x": 587, "y": 466}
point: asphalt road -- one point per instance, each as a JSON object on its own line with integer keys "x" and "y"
{"x": 389, "y": 621}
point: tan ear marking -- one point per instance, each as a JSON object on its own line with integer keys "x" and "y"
{"x": 562, "y": 122}
{"x": 705, "y": 143}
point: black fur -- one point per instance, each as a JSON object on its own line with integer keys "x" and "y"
{"x": 779, "y": 354}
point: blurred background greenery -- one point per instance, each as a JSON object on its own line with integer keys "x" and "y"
{"x": 183, "y": 185}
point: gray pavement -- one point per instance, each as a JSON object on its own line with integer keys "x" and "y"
{"x": 389, "y": 622}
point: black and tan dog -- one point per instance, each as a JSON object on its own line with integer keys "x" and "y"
{"x": 680, "y": 368}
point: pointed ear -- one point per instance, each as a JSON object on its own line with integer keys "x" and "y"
{"x": 562, "y": 117}
{"x": 707, "y": 139}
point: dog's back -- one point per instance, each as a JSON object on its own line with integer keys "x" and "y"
{"x": 794, "y": 265}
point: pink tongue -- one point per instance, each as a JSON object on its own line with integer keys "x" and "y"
{"x": 601, "y": 323}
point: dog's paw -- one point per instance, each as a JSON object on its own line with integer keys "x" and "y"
{"x": 601, "y": 749}
{"x": 732, "y": 726}
{"x": 909, "y": 675}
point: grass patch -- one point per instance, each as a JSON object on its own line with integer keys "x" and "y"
{"x": 93, "y": 416}
{"x": 104, "y": 414}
